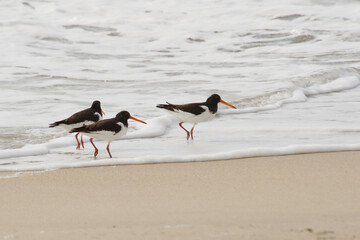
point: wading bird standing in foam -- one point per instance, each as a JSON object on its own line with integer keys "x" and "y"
{"x": 195, "y": 112}
{"x": 87, "y": 116}
{"x": 108, "y": 129}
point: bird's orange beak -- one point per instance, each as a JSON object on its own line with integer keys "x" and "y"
{"x": 222, "y": 101}
{"x": 102, "y": 111}
{"x": 137, "y": 120}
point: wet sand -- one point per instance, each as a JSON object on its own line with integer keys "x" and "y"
{"x": 308, "y": 196}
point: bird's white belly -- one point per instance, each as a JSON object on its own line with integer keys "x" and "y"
{"x": 192, "y": 118}
{"x": 106, "y": 135}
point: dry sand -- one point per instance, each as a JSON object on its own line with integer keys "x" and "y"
{"x": 310, "y": 196}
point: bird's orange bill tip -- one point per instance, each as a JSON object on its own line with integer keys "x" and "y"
{"x": 222, "y": 101}
{"x": 137, "y": 120}
{"x": 102, "y": 112}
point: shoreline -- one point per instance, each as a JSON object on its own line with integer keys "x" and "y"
{"x": 222, "y": 156}
{"x": 305, "y": 196}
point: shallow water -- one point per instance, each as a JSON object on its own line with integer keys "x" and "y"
{"x": 290, "y": 67}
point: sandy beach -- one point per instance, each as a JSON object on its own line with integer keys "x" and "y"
{"x": 309, "y": 196}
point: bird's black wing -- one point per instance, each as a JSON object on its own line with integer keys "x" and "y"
{"x": 194, "y": 108}
{"x": 105, "y": 125}
{"x": 84, "y": 115}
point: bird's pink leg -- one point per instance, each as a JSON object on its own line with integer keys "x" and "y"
{"x": 96, "y": 150}
{"x": 76, "y": 136}
{"x": 82, "y": 142}
{"x": 192, "y": 133}
{"x": 187, "y": 132}
{"x": 107, "y": 148}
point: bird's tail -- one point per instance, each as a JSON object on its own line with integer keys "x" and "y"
{"x": 167, "y": 106}
{"x": 56, "y": 123}
{"x": 79, "y": 129}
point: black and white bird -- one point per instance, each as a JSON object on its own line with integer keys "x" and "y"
{"x": 108, "y": 129}
{"x": 195, "y": 112}
{"x": 87, "y": 117}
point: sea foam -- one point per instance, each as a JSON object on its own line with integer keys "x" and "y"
{"x": 238, "y": 154}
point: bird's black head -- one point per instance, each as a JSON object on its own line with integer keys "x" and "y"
{"x": 96, "y": 105}
{"x": 212, "y": 102}
{"x": 123, "y": 115}
{"x": 213, "y": 99}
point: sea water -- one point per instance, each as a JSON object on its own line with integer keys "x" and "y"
{"x": 292, "y": 69}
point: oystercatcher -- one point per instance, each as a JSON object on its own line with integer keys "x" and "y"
{"x": 87, "y": 116}
{"x": 195, "y": 112}
{"x": 108, "y": 129}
